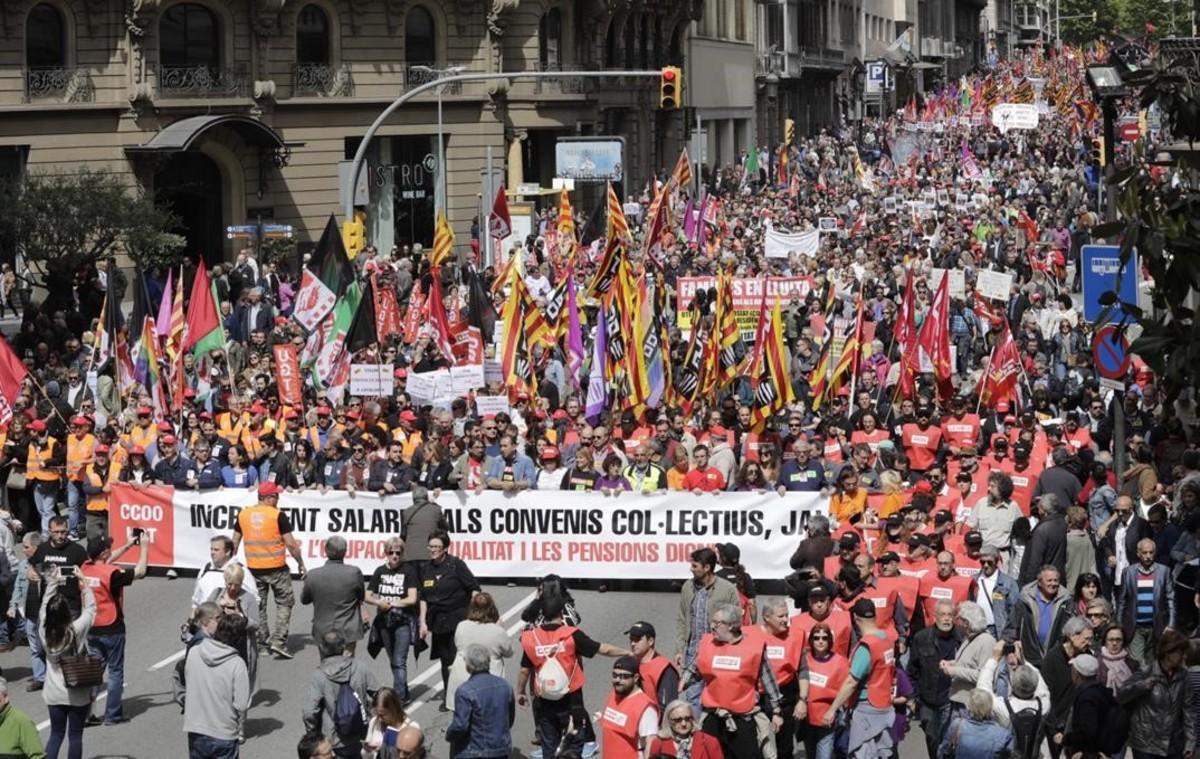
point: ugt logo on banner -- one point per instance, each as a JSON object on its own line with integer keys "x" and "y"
{"x": 150, "y": 508}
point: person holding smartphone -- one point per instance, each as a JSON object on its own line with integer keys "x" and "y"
{"x": 106, "y": 639}
{"x": 60, "y": 551}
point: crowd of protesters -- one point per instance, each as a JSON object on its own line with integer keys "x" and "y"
{"x": 986, "y": 570}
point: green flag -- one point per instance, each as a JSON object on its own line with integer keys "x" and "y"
{"x": 752, "y": 162}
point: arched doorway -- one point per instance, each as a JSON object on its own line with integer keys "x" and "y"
{"x": 190, "y": 184}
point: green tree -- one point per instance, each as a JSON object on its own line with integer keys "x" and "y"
{"x": 64, "y": 221}
{"x": 1078, "y": 26}
{"x": 1161, "y": 220}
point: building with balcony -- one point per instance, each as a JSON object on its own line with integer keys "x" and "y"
{"x": 1032, "y": 23}
{"x": 720, "y": 78}
{"x": 237, "y": 110}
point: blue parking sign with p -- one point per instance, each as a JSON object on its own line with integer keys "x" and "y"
{"x": 1101, "y": 271}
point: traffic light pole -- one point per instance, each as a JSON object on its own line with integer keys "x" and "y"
{"x": 360, "y": 154}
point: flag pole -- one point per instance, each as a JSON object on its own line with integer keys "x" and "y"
{"x": 858, "y": 347}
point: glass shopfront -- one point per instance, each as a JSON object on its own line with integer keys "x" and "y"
{"x": 401, "y": 174}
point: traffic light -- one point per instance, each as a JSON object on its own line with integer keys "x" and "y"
{"x": 670, "y": 84}
{"x": 789, "y": 131}
{"x": 353, "y": 236}
{"x": 1098, "y": 151}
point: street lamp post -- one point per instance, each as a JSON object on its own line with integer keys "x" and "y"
{"x": 439, "y": 187}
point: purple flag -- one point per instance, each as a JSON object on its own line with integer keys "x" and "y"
{"x": 689, "y": 221}
{"x": 703, "y": 228}
{"x": 162, "y": 326}
{"x": 597, "y": 393}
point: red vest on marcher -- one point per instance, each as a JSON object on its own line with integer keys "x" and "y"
{"x": 652, "y": 671}
{"x": 933, "y": 589}
{"x": 99, "y": 577}
{"x": 619, "y": 724}
{"x": 730, "y": 672}
{"x": 540, "y": 645}
{"x": 839, "y": 623}
{"x": 906, "y": 587}
{"x": 824, "y": 681}
{"x": 783, "y": 654}
{"x": 883, "y": 669}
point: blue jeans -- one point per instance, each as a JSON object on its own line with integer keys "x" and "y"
{"x": 818, "y": 742}
{"x": 111, "y": 648}
{"x": 935, "y": 720}
{"x": 74, "y": 506}
{"x": 207, "y": 747}
{"x": 397, "y": 640}
{"x": 66, "y": 721}
{"x": 37, "y": 654}
{"x": 45, "y": 499}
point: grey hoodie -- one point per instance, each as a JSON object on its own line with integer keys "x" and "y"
{"x": 323, "y": 689}
{"x": 218, "y": 690}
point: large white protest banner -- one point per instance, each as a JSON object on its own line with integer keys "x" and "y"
{"x": 778, "y": 244}
{"x": 528, "y": 534}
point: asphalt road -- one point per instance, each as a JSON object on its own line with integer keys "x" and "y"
{"x": 156, "y": 607}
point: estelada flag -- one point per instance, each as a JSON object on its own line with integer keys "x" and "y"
{"x": 500, "y": 221}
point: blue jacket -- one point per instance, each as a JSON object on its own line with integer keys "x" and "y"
{"x": 522, "y": 466}
{"x": 1004, "y": 599}
{"x": 976, "y": 740}
{"x": 484, "y": 709}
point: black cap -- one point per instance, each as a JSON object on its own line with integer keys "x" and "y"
{"x": 820, "y": 590}
{"x": 641, "y": 630}
{"x": 626, "y": 663}
{"x": 895, "y": 521}
{"x": 974, "y": 537}
{"x": 888, "y": 556}
{"x": 97, "y": 546}
{"x": 917, "y": 539}
{"x": 848, "y": 541}
{"x": 943, "y": 517}
{"x": 728, "y": 551}
{"x": 865, "y": 608}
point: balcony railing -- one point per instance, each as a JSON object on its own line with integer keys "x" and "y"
{"x": 415, "y": 76}
{"x": 566, "y": 85}
{"x": 202, "y": 81}
{"x": 322, "y": 79}
{"x": 68, "y": 85}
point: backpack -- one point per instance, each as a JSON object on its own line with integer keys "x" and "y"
{"x": 349, "y": 715}
{"x": 1028, "y": 729}
{"x": 552, "y": 681}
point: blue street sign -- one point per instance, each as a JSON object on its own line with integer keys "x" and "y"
{"x": 1110, "y": 353}
{"x": 1101, "y": 265}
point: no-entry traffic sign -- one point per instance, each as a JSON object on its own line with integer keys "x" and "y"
{"x": 1110, "y": 352}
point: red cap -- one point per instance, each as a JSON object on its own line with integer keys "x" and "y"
{"x": 1002, "y": 407}
{"x": 523, "y": 396}
{"x": 291, "y": 414}
{"x": 168, "y": 440}
{"x": 550, "y": 452}
{"x": 205, "y": 415}
{"x": 408, "y": 416}
{"x": 258, "y": 408}
{"x": 268, "y": 489}
{"x": 324, "y": 411}
{"x": 80, "y": 421}
{"x": 164, "y": 426}
{"x": 137, "y": 450}
{"x": 144, "y": 411}
{"x": 353, "y": 414}
{"x": 280, "y": 321}
{"x": 101, "y": 449}
{"x": 401, "y": 373}
{"x": 923, "y": 487}
{"x": 37, "y": 425}
{"x": 1010, "y": 419}
{"x": 560, "y": 414}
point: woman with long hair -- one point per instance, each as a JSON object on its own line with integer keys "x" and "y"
{"x": 387, "y": 714}
{"x": 238, "y": 473}
{"x": 1087, "y": 589}
{"x": 61, "y": 636}
{"x": 751, "y": 478}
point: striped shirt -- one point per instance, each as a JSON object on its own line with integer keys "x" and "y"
{"x": 1144, "y": 616}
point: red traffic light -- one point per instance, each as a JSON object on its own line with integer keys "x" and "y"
{"x": 668, "y": 75}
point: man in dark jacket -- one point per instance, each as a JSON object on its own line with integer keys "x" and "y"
{"x": 336, "y": 667}
{"x": 930, "y": 648}
{"x": 1118, "y": 541}
{"x": 1048, "y": 543}
{"x": 1056, "y": 671}
{"x": 1085, "y": 725}
{"x": 336, "y": 593}
{"x": 1038, "y": 619}
{"x": 484, "y": 710}
{"x": 1145, "y": 603}
{"x": 1058, "y": 480}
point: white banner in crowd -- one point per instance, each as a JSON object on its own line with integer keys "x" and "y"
{"x": 778, "y": 244}
{"x": 530, "y": 534}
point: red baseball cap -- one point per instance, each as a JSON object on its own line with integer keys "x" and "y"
{"x": 258, "y": 408}
{"x": 137, "y": 450}
{"x": 144, "y": 411}
{"x": 268, "y": 489}
{"x": 164, "y": 426}
{"x": 550, "y": 453}
{"x": 408, "y": 416}
{"x": 80, "y": 421}
{"x": 101, "y": 449}
{"x": 324, "y": 411}
{"x": 401, "y": 373}
{"x": 168, "y": 440}
{"x": 37, "y": 425}
{"x": 290, "y": 414}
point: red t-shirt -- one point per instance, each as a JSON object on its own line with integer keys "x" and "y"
{"x": 708, "y": 480}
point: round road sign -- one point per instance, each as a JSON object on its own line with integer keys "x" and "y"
{"x": 1110, "y": 351}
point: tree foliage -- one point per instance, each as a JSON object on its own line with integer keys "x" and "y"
{"x": 1161, "y": 219}
{"x": 1078, "y": 28}
{"x": 64, "y": 221}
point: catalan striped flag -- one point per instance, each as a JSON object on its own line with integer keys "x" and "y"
{"x": 847, "y": 363}
{"x": 818, "y": 378}
{"x": 769, "y": 367}
{"x": 174, "y": 346}
{"x": 524, "y": 327}
{"x": 443, "y": 241}
{"x": 567, "y": 242}
{"x": 726, "y": 338}
{"x": 618, "y": 227}
{"x": 683, "y": 170}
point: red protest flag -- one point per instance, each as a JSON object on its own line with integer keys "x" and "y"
{"x": 500, "y": 221}
{"x": 437, "y": 316}
{"x": 935, "y": 339}
{"x": 387, "y": 310}
{"x": 1000, "y": 381}
{"x": 287, "y": 374}
{"x": 12, "y": 374}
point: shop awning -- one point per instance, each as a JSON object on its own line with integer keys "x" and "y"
{"x": 183, "y": 133}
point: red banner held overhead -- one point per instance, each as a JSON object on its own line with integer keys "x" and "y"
{"x": 287, "y": 375}
{"x": 387, "y": 310}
